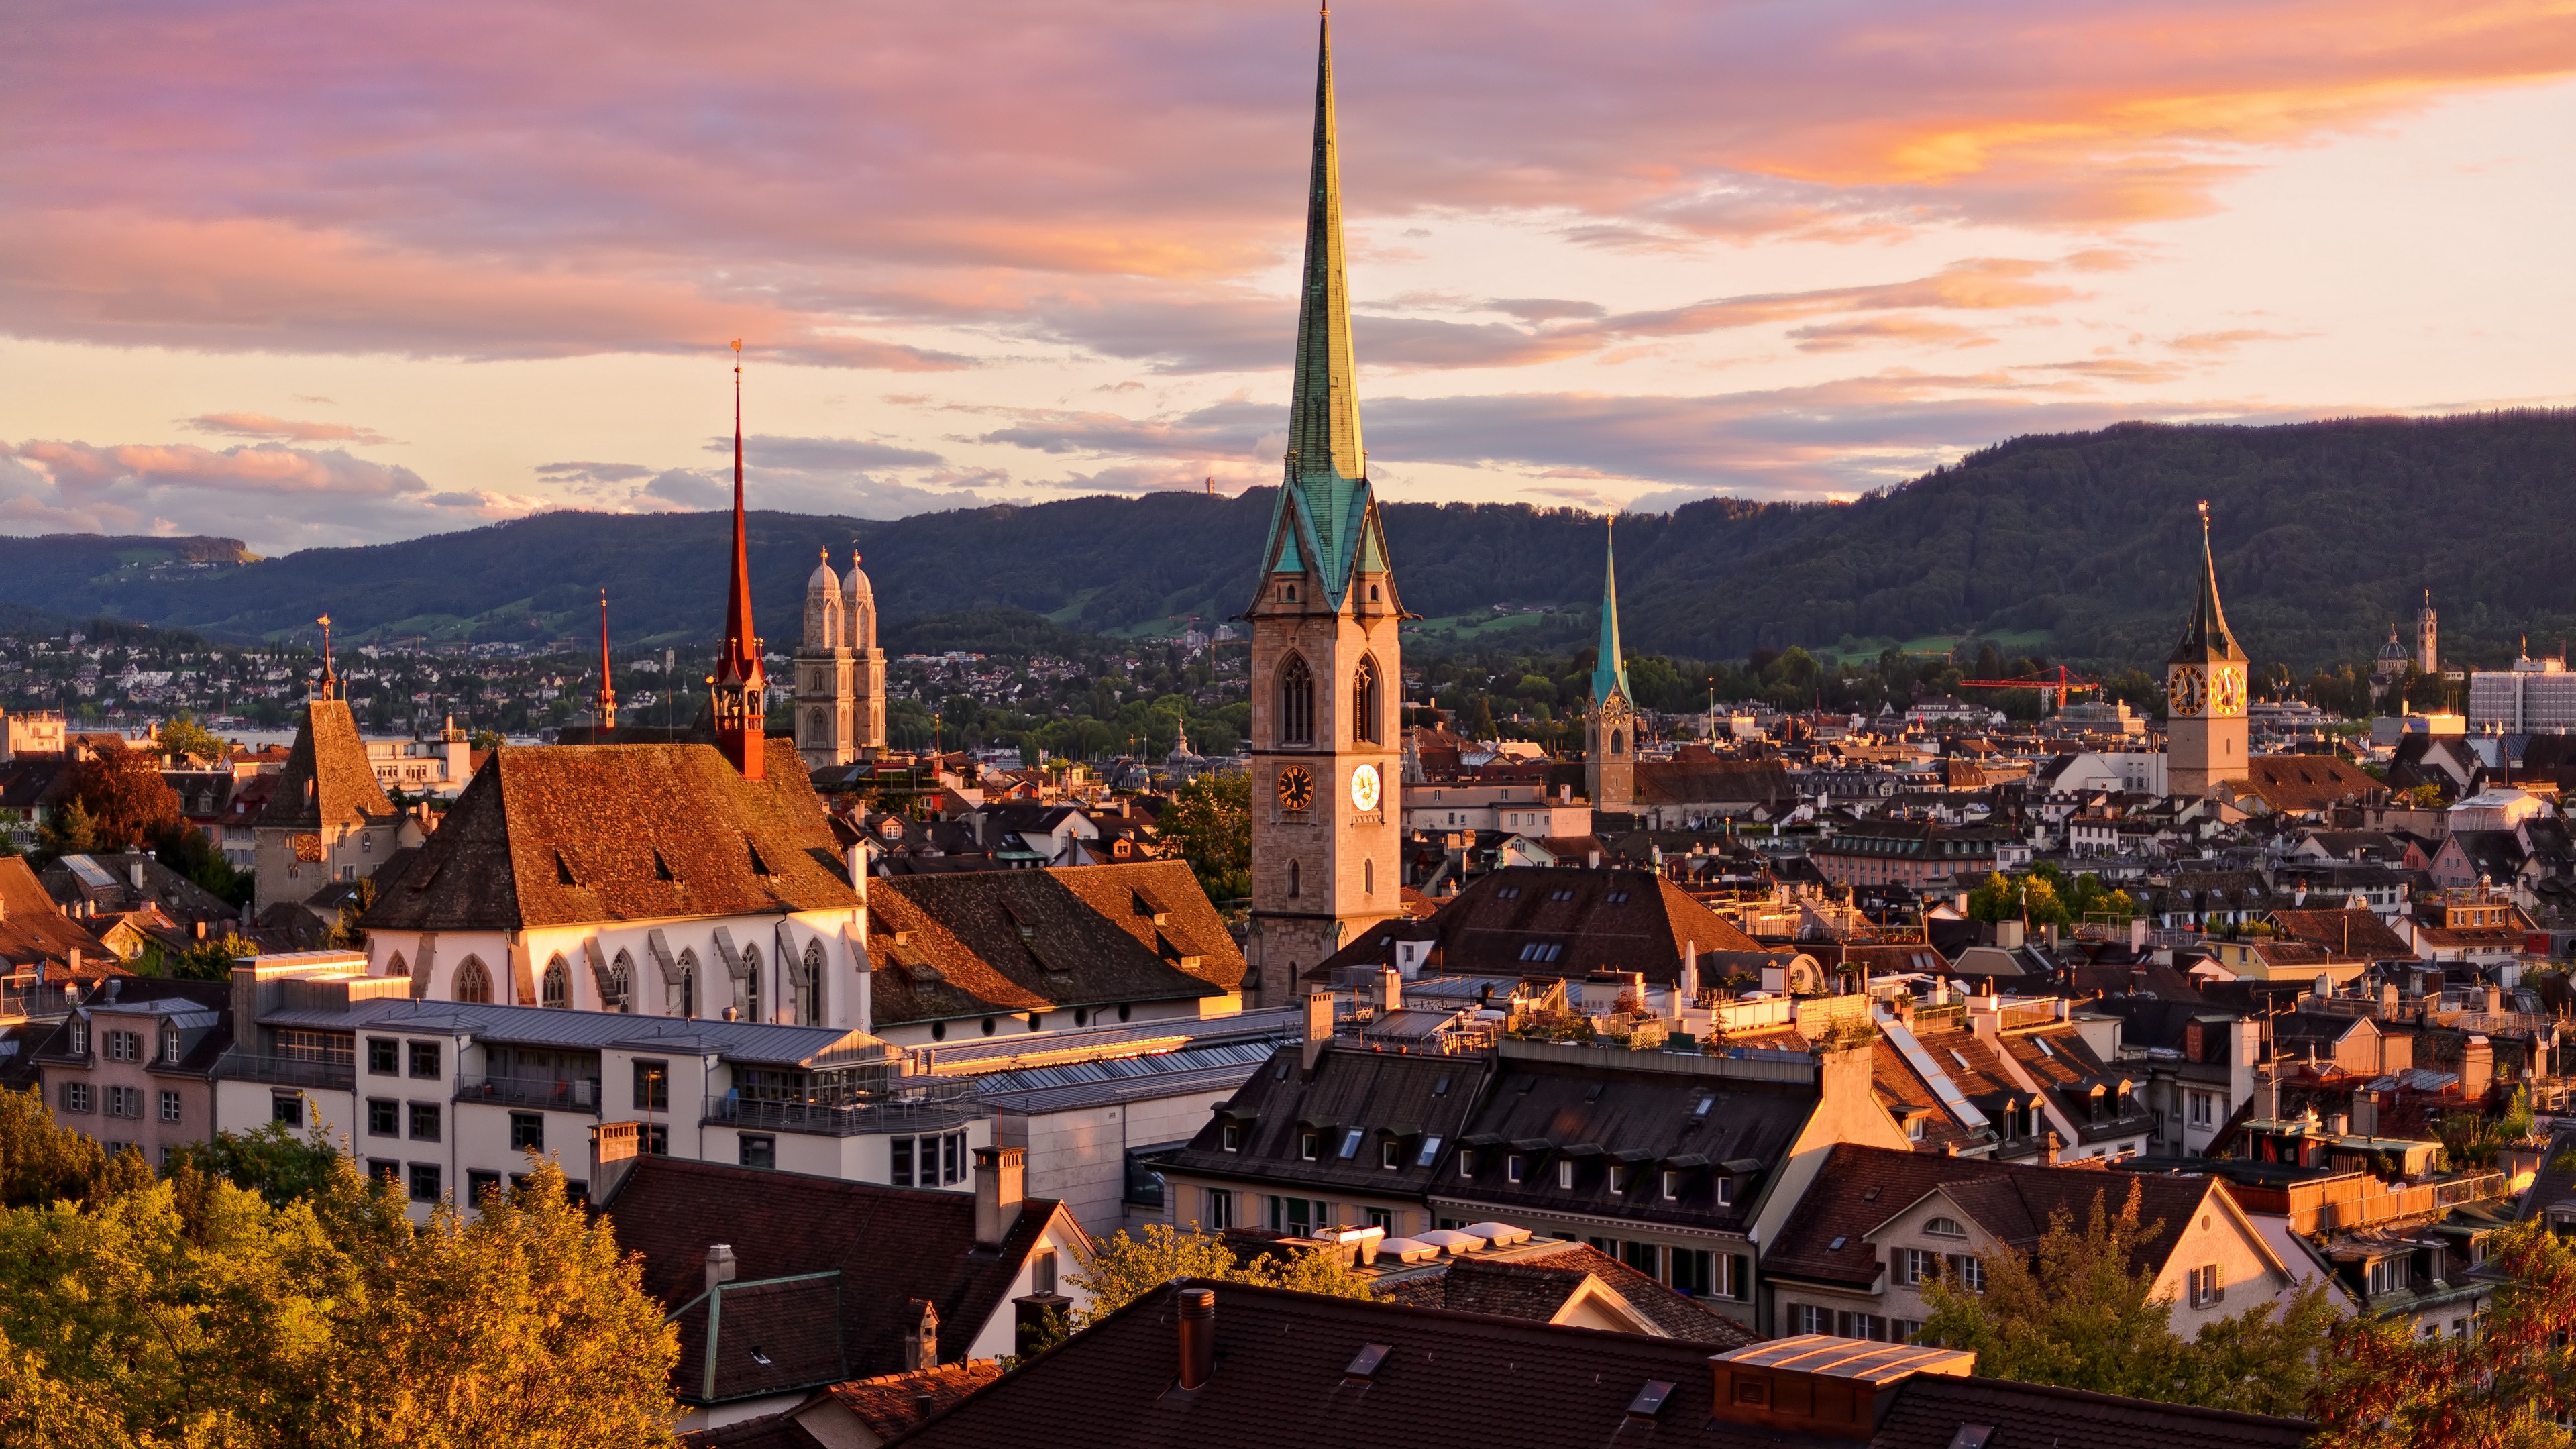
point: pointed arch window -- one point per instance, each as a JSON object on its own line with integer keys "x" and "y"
{"x": 1296, "y": 702}
{"x": 473, "y": 981}
{"x": 809, "y": 986}
{"x": 556, "y": 989}
{"x": 1368, "y": 877}
{"x": 684, "y": 992}
{"x": 397, "y": 966}
{"x": 621, "y": 984}
{"x": 1367, "y": 706}
{"x": 746, "y": 991}
{"x": 1618, "y": 742}
{"x": 1292, "y": 878}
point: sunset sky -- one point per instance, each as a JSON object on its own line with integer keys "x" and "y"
{"x": 314, "y": 273}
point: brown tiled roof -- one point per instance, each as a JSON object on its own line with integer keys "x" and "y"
{"x": 769, "y": 1431}
{"x": 33, "y": 929}
{"x": 891, "y": 1403}
{"x": 327, "y": 779}
{"x": 2068, "y": 1070}
{"x": 1859, "y": 1188}
{"x": 574, "y": 834}
{"x": 1284, "y": 1375}
{"x": 2346, "y": 933}
{"x": 980, "y": 943}
{"x": 2296, "y": 784}
{"x": 1710, "y": 782}
{"x": 1534, "y": 1283}
{"x": 1620, "y": 920}
{"x": 891, "y": 1246}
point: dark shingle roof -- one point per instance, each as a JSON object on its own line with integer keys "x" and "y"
{"x": 1620, "y": 920}
{"x": 891, "y": 1246}
{"x": 1466, "y": 1381}
{"x": 576, "y": 834}
{"x": 947, "y": 946}
{"x": 1380, "y": 1093}
{"x": 1535, "y": 1281}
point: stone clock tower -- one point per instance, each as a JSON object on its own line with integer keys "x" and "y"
{"x": 2205, "y": 692}
{"x": 1326, "y": 672}
{"x": 1610, "y": 736}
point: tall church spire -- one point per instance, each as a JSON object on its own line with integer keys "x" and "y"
{"x": 606, "y": 702}
{"x": 2205, "y": 637}
{"x": 740, "y": 694}
{"x": 1323, "y": 521}
{"x": 1609, "y": 667}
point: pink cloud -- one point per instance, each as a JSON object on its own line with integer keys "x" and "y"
{"x": 538, "y": 180}
{"x": 261, "y": 425}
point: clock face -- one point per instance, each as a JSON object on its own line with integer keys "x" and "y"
{"x": 2184, "y": 690}
{"x": 2226, "y": 692}
{"x": 1296, "y": 788}
{"x": 1364, "y": 788}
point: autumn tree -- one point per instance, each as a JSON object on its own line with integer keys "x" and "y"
{"x": 125, "y": 798}
{"x": 2082, "y": 1312}
{"x": 2502, "y": 1387}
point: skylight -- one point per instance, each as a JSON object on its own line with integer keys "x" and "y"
{"x": 1351, "y": 1142}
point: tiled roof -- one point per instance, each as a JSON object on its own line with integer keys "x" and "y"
{"x": 891, "y": 1246}
{"x": 328, "y": 779}
{"x": 577, "y": 834}
{"x": 1533, "y": 1282}
{"x": 948, "y": 946}
{"x": 1619, "y": 920}
{"x": 1284, "y": 1374}
{"x": 2296, "y": 784}
{"x": 32, "y": 929}
{"x": 1710, "y": 782}
{"x": 1859, "y": 1188}
{"x": 2346, "y": 933}
{"x": 1382, "y": 1094}
{"x": 891, "y": 1403}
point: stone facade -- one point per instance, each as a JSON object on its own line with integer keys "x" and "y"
{"x": 840, "y": 671}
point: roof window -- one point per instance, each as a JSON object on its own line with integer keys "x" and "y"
{"x": 1351, "y": 1143}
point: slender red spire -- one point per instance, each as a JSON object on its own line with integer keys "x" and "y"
{"x": 740, "y": 694}
{"x": 607, "y": 699}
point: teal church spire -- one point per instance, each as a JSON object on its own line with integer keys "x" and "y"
{"x": 1610, "y": 668}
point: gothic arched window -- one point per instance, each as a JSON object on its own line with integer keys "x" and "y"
{"x": 397, "y": 966}
{"x": 1296, "y": 702}
{"x": 1364, "y": 703}
{"x": 1368, "y": 877}
{"x": 746, "y": 988}
{"x": 621, "y": 984}
{"x": 809, "y": 987}
{"x": 684, "y": 992}
{"x": 1292, "y": 877}
{"x": 1618, "y": 742}
{"x": 473, "y": 982}
{"x": 556, "y": 989}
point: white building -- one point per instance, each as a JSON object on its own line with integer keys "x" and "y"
{"x": 2534, "y": 697}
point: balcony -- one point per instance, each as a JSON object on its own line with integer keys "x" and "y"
{"x": 324, "y": 1075}
{"x": 18, "y": 1003}
{"x": 545, "y": 1094}
{"x": 930, "y": 1107}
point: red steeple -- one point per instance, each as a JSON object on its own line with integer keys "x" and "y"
{"x": 739, "y": 689}
{"x": 607, "y": 698}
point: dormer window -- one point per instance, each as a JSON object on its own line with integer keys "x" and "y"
{"x": 1390, "y": 1154}
{"x": 1618, "y": 1178}
{"x": 1672, "y": 1183}
{"x": 1230, "y": 1137}
{"x": 1565, "y": 1173}
{"x": 1309, "y": 1144}
{"x": 1288, "y": 593}
{"x": 170, "y": 1044}
{"x": 1514, "y": 1166}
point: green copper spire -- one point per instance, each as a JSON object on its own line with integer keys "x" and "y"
{"x": 1610, "y": 668}
{"x": 1324, "y": 503}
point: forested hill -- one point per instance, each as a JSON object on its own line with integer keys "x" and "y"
{"x": 2079, "y": 546}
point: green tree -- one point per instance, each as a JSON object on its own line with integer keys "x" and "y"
{"x": 2082, "y": 1312}
{"x": 72, "y": 831}
{"x": 2385, "y": 1388}
{"x": 484, "y": 739}
{"x": 1209, "y": 824}
{"x": 1127, "y": 1268}
{"x": 182, "y": 735}
{"x": 269, "y": 1160}
{"x": 42, "y": 1163}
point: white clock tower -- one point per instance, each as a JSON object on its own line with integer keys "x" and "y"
{"x": 2205, "y": 739}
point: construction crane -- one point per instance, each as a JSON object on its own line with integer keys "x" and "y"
{"x": 2058, "y": 681}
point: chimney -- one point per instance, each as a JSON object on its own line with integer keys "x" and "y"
{"x": 2048, "y": 1152}
{"x": 720, "y": 1264}
{"x": 1198, "y": 1336}
{"x": 864, "y": 1014}
{"x": 1000, "y": 1175}
{"x": 1319, "y": 1024}
{"x": 1390, "y": 985}
{"x": 1690, "y": 976}
{"x": 2495, "y": 998}
{"x": 2137, "y": 934}
{"x": 2008, "y": 935}
{"x": 2052, "y": 935}
{"x": 201, "y": 930}
{"x": 2298, "y": 895}
{"x": 134, "y": 873}
{"x": 614, "y": 1148}
{"x": 921, "y": 1336}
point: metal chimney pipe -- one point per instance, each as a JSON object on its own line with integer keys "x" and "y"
{"x": 1198, "y": 1336}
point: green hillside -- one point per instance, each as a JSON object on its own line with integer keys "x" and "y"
{"x": 2078, "y": 546}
